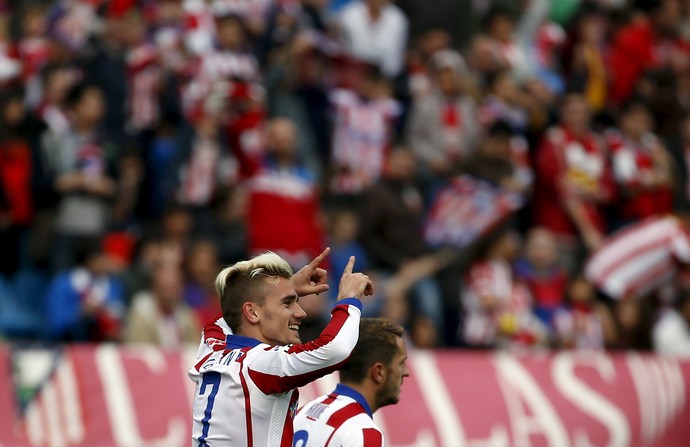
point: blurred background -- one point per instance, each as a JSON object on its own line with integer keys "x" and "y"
{"x": 512, "y": 174}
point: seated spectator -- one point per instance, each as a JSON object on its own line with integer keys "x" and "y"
{"x": 583, "y": 322}
{"x": 497, "y": 306}
{"x": 85, "y": 303}
{"x": 671, "y": 332}
{"x": 541, "y": 273}
{"x": 159, "y": 316}
{"x": 642, "y": 167}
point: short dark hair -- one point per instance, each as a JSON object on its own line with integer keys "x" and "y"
{"x": 77, "y": 92}
{"x": 376, "y": 343}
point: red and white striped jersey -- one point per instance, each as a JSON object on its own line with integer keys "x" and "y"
{"x": 213, "y": 336}
{"x": 361, "y": 139}
{"x": 340, "y": 419}
{"x": 246, "y": 395}
{"x": 640, "y": 258}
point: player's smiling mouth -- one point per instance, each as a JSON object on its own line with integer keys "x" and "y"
{"x": 294, "y": 327}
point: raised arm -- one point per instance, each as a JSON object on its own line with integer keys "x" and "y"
{"x": 282, "y": 368}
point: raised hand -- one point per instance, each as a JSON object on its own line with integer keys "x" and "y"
{"x": 354, "y": 285}
{"x": 311, "y": 279}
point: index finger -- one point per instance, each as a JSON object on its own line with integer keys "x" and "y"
{"x": 317, "y": 260}
{"x": 350, "y": 265}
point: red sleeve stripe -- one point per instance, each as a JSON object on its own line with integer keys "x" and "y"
{"x": 202, "y": 361}
{"x": 272, "y": 384}
{"x": 340, "y": 316}
{"x": 372, "y": 438}
{"x": 212, "y": 330}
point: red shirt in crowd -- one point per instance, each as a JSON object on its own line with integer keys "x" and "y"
{"x": 570, "y": 167}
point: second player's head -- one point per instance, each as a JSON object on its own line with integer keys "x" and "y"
{"x": 379, "y": 360}
{"x": 258, "y": 300}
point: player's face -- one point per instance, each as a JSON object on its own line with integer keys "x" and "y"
{"x": 280, "y": 315}
{"x": 396, "y": 372}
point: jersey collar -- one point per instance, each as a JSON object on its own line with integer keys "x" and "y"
{"x": 239, "y": 341}
{"x": 345, "y": 390}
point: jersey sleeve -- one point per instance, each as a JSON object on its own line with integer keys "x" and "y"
{"x": 277, "y": 369}
{"x": 213, "y": 337}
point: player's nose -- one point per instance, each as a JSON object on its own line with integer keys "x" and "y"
{"x": 299, "y": 313}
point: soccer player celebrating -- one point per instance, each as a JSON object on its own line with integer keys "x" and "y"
{"x": 246, "y": 394}
{"x": 371, "y": 379}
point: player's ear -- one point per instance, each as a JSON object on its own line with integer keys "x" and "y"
{"x": 378, "y": 373}
{"x": 249, "y": 312}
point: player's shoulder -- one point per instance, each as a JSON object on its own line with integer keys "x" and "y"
{"x": 359, "y": 431}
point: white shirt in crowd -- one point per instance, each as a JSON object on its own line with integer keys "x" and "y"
{"x": 671, "y": 334}
{"x": 381, "y": 42}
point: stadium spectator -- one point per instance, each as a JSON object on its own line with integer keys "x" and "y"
{"x": 418, "y": 57}
{"x": 264, "y": 361}
{"x": 362, "y": 132}
{"x": 573, "y": 181}
{"x": 391, "y": 219}
{"x": 504, "y": 101}
{"x": 540, "y": 271}
{"x": 78, "y": 161}
{"x": 86, "y": 302}
{"x": 671, "y": 332}
{"x": 200, "y": 266}
{"x": 16, "y": 171}
{"x": 501, "y": 160}
{"x": 635, "y": 48}
{"x": 583, "y": 323}
{"x": 204, "y": 164}
{"x": 508, "y": 40}
{"x": 497, "y": 307}
{"x": 442, "y": 130}
{"x": 375, "y": 31}
{"x": 159, "y": 316}
{"x": 284, "y": 187}
{"x": 371, "y": 379}
{"x": 583, "y": 56}
{"x": 641, "y": 165}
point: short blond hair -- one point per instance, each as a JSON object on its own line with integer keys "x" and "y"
{"x": 245, "y": 281}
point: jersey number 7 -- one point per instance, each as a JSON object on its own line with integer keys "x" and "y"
{"x": 210, "y": 378}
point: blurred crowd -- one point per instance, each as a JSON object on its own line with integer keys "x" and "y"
{"x": 525, "y": 189}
